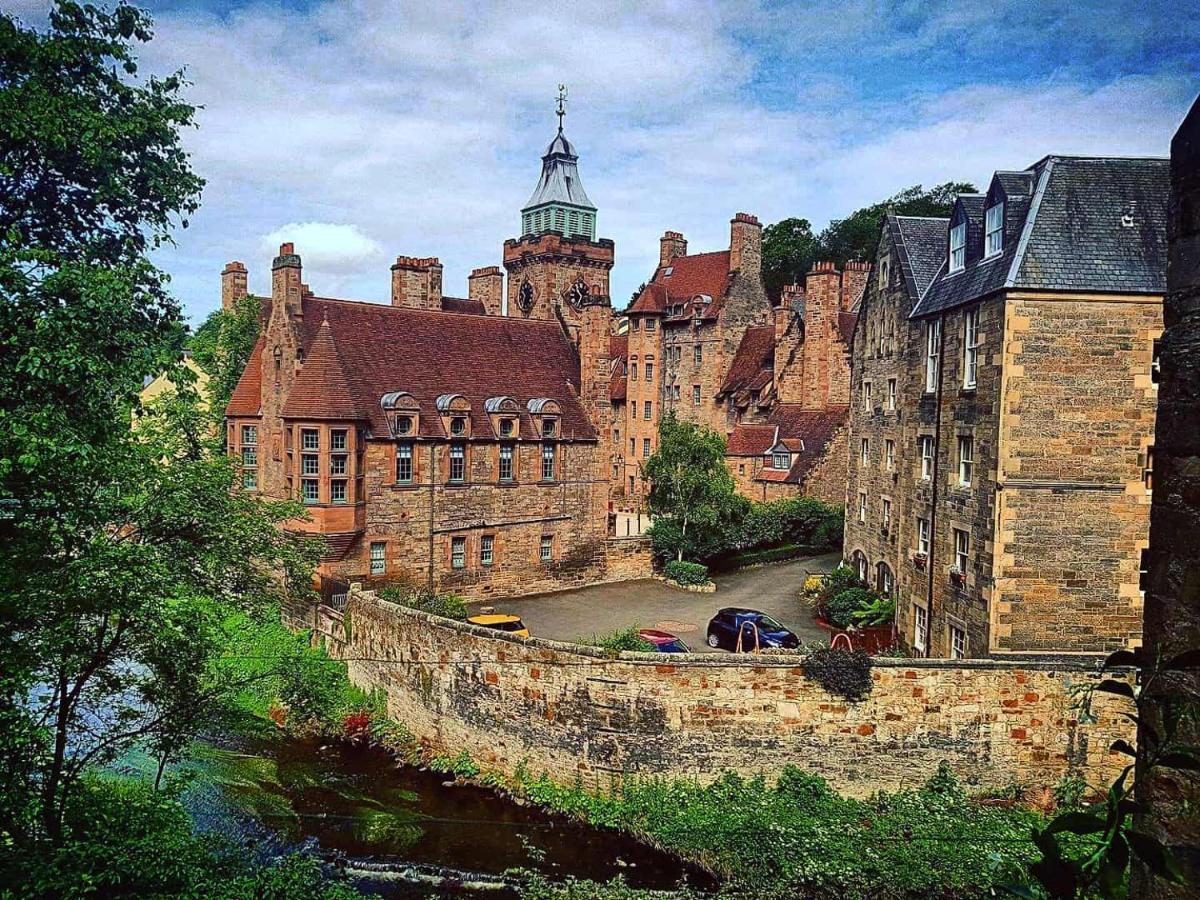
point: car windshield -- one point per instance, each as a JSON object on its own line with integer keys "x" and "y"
{"x": 675, "y": 646}
{"x": 518, "y": 625}
{"x": 766, "y": 623}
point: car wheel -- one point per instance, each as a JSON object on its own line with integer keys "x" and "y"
{"x": 714, "y": 641}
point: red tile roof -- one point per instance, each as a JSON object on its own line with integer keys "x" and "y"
{"x": 246, "y": 399}
{"x": 461, "y": 305}
{"x": 755, "y": 354}
{"x": 618, "y": 388}
{"x": 618, "y": 346}
{"x": 816, "y": 428}
{"x": 750, "y": 440}
{"x": 846, "y": 323}
{"x": 380, "y": 348}
{"x": 702, "y": 273}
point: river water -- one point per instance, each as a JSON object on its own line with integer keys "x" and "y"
{"x": 396, "y": 830}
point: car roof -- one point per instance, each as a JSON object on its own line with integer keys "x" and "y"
{"x": 492, "y": 619}
{"x": 739, "y": 611}
{"x": 656, "y": 636}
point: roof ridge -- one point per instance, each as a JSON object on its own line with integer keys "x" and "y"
{"x": 433, "y": 312}
{"x": 1035, "y": 205}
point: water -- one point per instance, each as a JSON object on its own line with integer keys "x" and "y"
{"x": 399, "y": 831}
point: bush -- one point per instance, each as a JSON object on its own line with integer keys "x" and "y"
{"x": 880, "y": 611}
{"x": 840, "y": 579}
{"x": 621, "y": 639}
{"x": 686, "y": 573}
{"x": 841, "y": 672}
{"x": 448, "y": 606}
{"x": 840, "y": 610}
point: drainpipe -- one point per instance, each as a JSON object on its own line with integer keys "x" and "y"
{"x": 432, "y": 490}
{"x": 936, "y": 475}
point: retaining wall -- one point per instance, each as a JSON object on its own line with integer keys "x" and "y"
{"x": 572, "y": 712}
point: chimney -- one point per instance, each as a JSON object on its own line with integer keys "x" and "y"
{"x": 417, "y": 282}
{"x": 233, "y": 284}
{"x": 287, "y": 290}
{"x": 745, "y": 245}
{"x": 785, "y": 310}
{"x": 487, "y": 286}
{"x": 854, "y": 283}
{"x": 670, "y": 245}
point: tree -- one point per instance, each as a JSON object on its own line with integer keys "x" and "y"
{"x": 222, "y": 346}
{"x": 691, "y": 489}
{"x": 789, "y": 249}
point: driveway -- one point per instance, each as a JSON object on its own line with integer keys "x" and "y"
{"x": 603, "y": 608}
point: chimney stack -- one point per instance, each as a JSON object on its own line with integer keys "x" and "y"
{"x": 786, "y": 309}
{"x": 745, "y": 245}
{"x": 487, "y": 286}
{"x": 854, "y": 283}
{"x": 417, "y": 282}
{"x": 670, "y": 245}
{"x": 233, "y": 284}
{"x": 287, "y": 290}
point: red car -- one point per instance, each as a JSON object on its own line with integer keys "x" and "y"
{"x": 663, "y": 641}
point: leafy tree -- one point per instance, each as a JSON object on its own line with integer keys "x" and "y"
{"x": 222, "y": 346}
{"x": 691, "y": 489}
{"x": 789, "y": 249}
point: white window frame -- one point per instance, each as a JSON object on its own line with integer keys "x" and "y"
{"x": 378, "y": 557}
{"x": 405, "y": 454}
{"x": 933, "y": 340}
{"x": 926, "y": 457}
{"x": 889, "y": 454}
{"x": 885, "y": 512}
{"x": 781, "y": 460}
{"x": 891, "y": 395}
{"x": 549, "y": 461}
{"x": 507, "y": 460}
{"x": 864, "y": 452}
{"x": 458, "y": 552}
{"x": 546, "y": 548}
{"x": 866, "y": 396}
{"x": 993, "y": 241}
{"x": 962, "y": 550}
{"x": 862, "y": 507}
{"x": 966, "y": 459}
{"x": 920, "y": 628}
{"x": 958, "y": 642}
{"x": 970, "y": 347}
{"x": 923, "y": 535}
{"x": 458, "y": 460}
{"x": 958, "y": 247}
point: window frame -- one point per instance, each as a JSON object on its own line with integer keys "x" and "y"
{"x": 411, "y": 459}
{"x": 458, "y": 551}
{"x": 891, "y": 394}
{"x": 958, "y": 642}
{"x": 925, "y": 442}
{"x": 549, "y": 456}
{"x": 923, "y": 535}
{"x": 993, "y": 227}
{"x": 970, "y": 348}
{"x": 962, "y": 550}
{"x": 487, "y": 549}
{"x": 933, "y": 352}
{"x": 546, "y": 548}
{"x": 966, "y": 462}
{"x": 920, "y": 629}
{"x": 305, "y": 434}
{"x": 889, "y": 454}
{"x": 781, "y": 460}
{"x": 344, "y": 484}
{"x": 457, "y": 460}
{"x": 864, "y": 452}
{"x": 957, "y": 251}
{"x": 377, "y": 562}
{"x": 506, "y": 454}
{"x": 862, "y": 506}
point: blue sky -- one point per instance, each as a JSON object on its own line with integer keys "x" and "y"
{"x": 362, "y": 130}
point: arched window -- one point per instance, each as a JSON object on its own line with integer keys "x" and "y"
{"x": 859, "y": 562}
{"x": 883, "y": 579}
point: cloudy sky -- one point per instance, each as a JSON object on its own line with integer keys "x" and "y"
{"x": 363, "y": 129}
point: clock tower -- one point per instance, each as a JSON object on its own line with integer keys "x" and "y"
{"x": 557, "y": 268}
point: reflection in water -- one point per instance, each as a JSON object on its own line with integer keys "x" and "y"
{"x": 354, "y": 804}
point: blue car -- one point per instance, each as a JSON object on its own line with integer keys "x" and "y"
{"x": 757, "y": 631}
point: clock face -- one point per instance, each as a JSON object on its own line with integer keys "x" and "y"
{"x": 577, "y": 294}
{"x": 525, "y": 297}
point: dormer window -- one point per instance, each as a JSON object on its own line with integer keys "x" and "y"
{"x": 404, "y": 425}
{"x": 782, "y": 460}
{"x": 549, "y": 427}
{"x": 994, "y": 230}
{"x": 458, "y": 425}
{"x": 958, "y": 247}
{"x": 506, "y": 428}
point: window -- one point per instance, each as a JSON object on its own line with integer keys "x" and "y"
{"x": 920, "y": 629}
{"x": 458, "y": 425}
{"x": 249, "y": 434}
{"x": 864, "y": 452}
{"x": 633, "y": 371}
{"x": 506, "y": 462}
{"x": 860, "y": 566}
{"x": 250, "y": 479}
{"x": 970, "y": 347}
{"x": 962, "y": 550}
{"x": 889, "y": 454}
{"x": 1155, "y": 367}
{"x": 1147, "y": 472}
{"x": 337, "y": 464}
{"x": 378, "y": 557}
{"x": 958, "y": 247}
{"x": 249, "y": 457}
{"x": 310, "y": 439}
{"x": 487, "y": 546}
{"x": 650, "y": 325}
{"x": 993, "y": 241}
{"x": 506, "y": 428}
{"x": 695, "y": 395}
{"x": 549, "y": 427}
{"x": 675, "y": 392}
{"x": 885, "y": 513}
{"x": 862, "y": 507}
{"x": 404, "y": 463}
{"x": 548, "y": 457}
{"x": 883, "y": 579}
{"x": 645, "y": 448}
{"x": 458, "y": 462}
{"x": 648, "y": 410}
{"x": 782, "y": 460}
{"x": 637, "y": 324}
{"x": 649, "y": 370}
{"x": 933, "y": 340}
{"x": 546, "y": 551}
{"x": 310, "y": 464}
{"x": 1144, "y": 570}
{"x": 337, "y": 490}
{"x": 966, "y": 460}
{"x": 926, "y": 443}
{"x": 866, "y": 396}
{"x": 883, "y": 273}
{"x": 404, "y": 425}
{"x": 891, "y": 395}
{"x": 616, "y": 435}
{"x": 741, "y": 468}
{"x": 923, "y": 536}
{"x": 958, "y": 643}
{"x": 309, "y": 490}
{"x": 697, "y": 355}
{"x": 337, "y": 439}
{"x": 458, "y": 552}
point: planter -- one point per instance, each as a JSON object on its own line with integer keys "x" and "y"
{"x": 919, "y": 561}
{"x": 958, "y": 579}
{"x": 872, "y": 639}
{"x": 706, "y": 588}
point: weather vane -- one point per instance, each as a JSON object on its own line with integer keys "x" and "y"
{"x": 562, "y": 104}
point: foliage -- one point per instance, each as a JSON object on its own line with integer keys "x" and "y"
{"x": 878, "y": 611}
{"x": 840, "y": 579}
{"x": 686, "y": 573}
{"x": 222, "y": 346}
{"x": 842, "y": 672}
{"x": 448, "y": 606}
{"x": 536, "y": 886}
{"x": 801, "y": 839}
{"x": 1101, "y": 838}
{"x": 841, "y": 609}
{"x": 792, "y": 520}
{"x": 790, "y": 248}
{"x": 621, "y": 639}
{"x": 460, "y": 765}
{"x": 690, "y": 485}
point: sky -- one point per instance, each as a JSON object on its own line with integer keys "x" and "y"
{"x": 361, "y": 130}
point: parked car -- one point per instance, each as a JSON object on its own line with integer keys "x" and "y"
{"x": 757, "y": 631}
{"x": 663, "y": 641}
{"x": 501, "y": 622}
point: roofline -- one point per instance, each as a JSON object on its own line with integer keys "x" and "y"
{"x": 1035, "y": 205}
{"x": 1053, "y": 156}
{"x": 578, "y": 206}
{"x": 430, "y": 312}
{"x": 897, "y": 216}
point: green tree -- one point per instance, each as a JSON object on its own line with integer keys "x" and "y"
{"x": 789, "y": 249}
{"x": 691, "y": 489}
{"x": 222, "y": 345}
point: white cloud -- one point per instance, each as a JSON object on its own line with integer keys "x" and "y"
{"x": 327, "y": 247}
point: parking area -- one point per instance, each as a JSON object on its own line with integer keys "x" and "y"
{"x": 603, "y": 608}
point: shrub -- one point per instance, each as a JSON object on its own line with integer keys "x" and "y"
{"x": 841, "y": 672}
{"x": 840, "y": 579}
{"x": 880, "y": 611}
{"x": 621, "y": 639}
{"x": 448, "y": 606}
{"x": 841, "y": 609}
{"x": 686, "y": 573}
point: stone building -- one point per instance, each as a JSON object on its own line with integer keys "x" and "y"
{"x": 437, "y": 440}
{"x": 1002, "y": 417}
{"x": 704, "y": 342}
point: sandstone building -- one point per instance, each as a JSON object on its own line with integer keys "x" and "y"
{"x": 1002, "y": 417}
{"x": 439, "y": 440}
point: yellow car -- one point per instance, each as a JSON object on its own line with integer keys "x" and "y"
{"x": 501, "y": 622}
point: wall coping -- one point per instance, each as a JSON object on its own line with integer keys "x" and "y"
{"x": 730, "y": 661}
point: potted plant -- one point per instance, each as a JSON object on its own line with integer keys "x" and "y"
{"x": 958, "y": 578}
{"x": 919, "y": 560}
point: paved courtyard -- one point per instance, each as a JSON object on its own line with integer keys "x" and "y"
{"x": 603, "y": 608}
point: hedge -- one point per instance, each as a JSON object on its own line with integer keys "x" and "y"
{"x": 841, "y": 609}
{"x": 686, "y": 573}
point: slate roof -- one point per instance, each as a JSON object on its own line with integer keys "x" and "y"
{"x": 357, "y": 352}
{"x": 689, "y": 276}
{"x": 755, "y": 354}
{"x": 921, "y": 246}
{"x": 559, "y": 182}
{"x": 1091, "y": 224}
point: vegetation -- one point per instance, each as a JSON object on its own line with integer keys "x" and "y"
{"x": 843, "y": 672}
{"x": 841, "y": 608}
{"x": 790, "y": 247}
{"x": 621, "y": 639}
{"x": 222, "y": 346}
{"x": 448, "y": 606}
{"x": 686, "y": 573}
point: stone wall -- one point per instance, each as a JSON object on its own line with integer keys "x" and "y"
{"x": 573, "y": 712}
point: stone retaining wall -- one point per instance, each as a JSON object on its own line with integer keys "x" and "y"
{"x": 572, "y": 712}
